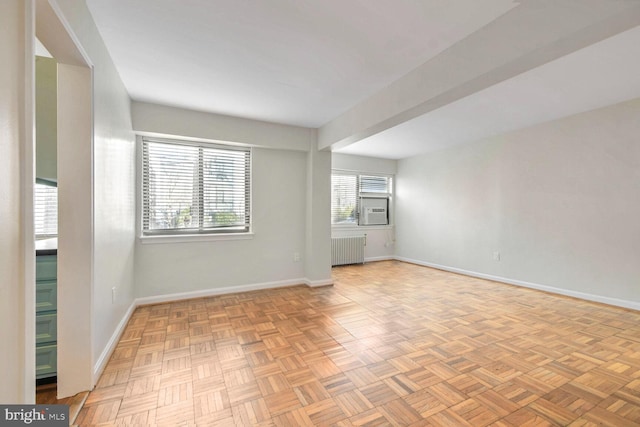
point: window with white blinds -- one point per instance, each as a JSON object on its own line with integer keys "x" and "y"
{"x": 344, "y": 199}
{"x": 375, "y": 184}
{"x": 348, "y": 190}
{"x": 45, "y": 209}
{"x": 195, "y": 188}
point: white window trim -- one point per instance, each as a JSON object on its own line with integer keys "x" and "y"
{"x": 184, "y": 238}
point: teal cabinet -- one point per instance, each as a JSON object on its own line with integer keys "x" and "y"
{"x": 46, "y": 296}
{"x": 46, "y": 361}
{"x": 46, "y": 315}
{"x": 46, "y": 328}
{"x": 46, "y": 267}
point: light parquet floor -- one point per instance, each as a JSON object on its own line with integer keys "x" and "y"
{"x": 47, "y": 395}
{"x": 389, "y": 344}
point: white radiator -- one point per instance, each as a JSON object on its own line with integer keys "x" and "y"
{"x": 347, "y": 250}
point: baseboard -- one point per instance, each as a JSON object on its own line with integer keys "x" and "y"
{"x": 101, "y": 363}
{"x": 379, "y": 258}
{"x": 318, "y": 283}
{"x": 218, "y": 291}
{"x": 560, "y": 291}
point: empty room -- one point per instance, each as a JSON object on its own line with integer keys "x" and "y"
{"x": 237, "y": 212}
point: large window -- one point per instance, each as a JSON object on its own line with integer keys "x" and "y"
{"x": 356, "y": 198}
{"x": 195, "y": 188}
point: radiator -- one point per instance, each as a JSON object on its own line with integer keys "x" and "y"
{"x": 347, "y": 250}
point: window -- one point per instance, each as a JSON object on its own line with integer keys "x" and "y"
{"x": 350, "y": 193}
{"x": 344, "y": 199}
{"x": 46, "y": 209}
{"x": 195, "y": 188}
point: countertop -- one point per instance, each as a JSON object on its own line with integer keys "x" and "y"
{"x": 47, "y": 246}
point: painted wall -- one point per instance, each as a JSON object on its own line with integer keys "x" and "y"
{"x": 363, "y": 164}
{"x": 46, "y": 118}
{"x": 318, "y": 218}
{"x": 380, "y": 239}
{"x": 560, "y": 202}
{"x": 113, "y": 185}
{"x": 75, "y": 230}
{"x": 17, "y": 313}
{"x": 278, "y": 209}
{"x": 288, "y": 176}
{"x": 161, "y": 120}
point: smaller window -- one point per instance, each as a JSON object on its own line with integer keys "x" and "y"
{"x": 45, "y": 209}
{"x": 344, "y": 199}
{"x": 359, "y": 199}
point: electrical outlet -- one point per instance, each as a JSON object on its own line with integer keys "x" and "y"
{"x": 113, "y": 295}
{"x": 296, "y": 257}
{"x": 496, "y": 255}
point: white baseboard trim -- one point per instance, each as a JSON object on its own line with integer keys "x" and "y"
{"x": 318, "y": 283}
{"x": 101, "y": 363}
{"x": 218, "y": 291}
{"x": 379, "y": 258}
{"x": 560, "y": 291}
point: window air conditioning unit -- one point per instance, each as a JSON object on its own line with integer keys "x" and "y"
{"x": 374, "y": 211}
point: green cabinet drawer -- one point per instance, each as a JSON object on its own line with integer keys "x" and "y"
{"x": 46, "y": 296}
{"x": 46, "y": 361}
{"x": 46, "y": 328}
{"x": 46, "y": 267}
{"x": 46, "y": 317}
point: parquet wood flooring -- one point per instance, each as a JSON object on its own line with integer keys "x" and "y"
{"x": 46, "y": 394}
{"x": 389, "y": 344}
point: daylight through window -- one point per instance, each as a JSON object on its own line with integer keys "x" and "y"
{"x": 46, "y": 209}
{"x": 195, "y": 188}
{"x": 355, "y": 196}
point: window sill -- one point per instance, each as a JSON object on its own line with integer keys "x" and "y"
{"x": 361, "y": 227}
{"x": 152, "y": 240}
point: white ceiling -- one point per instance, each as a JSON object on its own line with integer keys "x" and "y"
{"x": 299, "y": 62}
{"x": 306, "y": 62}
{"x": 602, "y": 74}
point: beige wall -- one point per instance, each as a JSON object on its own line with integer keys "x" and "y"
{"x": 289, "y": 210}
{"x": 75, "y": 230}
{"x": 278, "y": 210}
{"x": 153, "y": 119}
{"x": 17, "y": 309}
{"x": 560, "y": 201}
{"x": 112, "y": 175}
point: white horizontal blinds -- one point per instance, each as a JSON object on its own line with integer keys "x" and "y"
{"x": 226, "y": 189}
{"x": 46, "y": 210}
{"x": 170, "y": 177}
{"x": 344, "y": 199}
{"x": 375, "y": 184}
{"x": 195, "y": 188}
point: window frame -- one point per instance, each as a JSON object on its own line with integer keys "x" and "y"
{"x": 360, "y": 195}
{"x": 179, "y": 235}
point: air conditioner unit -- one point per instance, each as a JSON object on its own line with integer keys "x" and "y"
{"x": 373, "y": 211}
